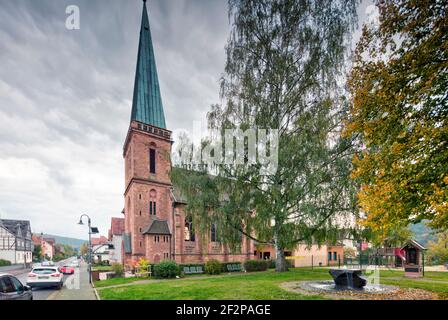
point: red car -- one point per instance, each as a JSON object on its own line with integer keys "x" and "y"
{"x": 67, "y": 270}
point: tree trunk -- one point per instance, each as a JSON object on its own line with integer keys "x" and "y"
{"x": 280, "y": 262}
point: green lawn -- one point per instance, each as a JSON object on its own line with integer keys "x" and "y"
{"x": 252, "y": 286}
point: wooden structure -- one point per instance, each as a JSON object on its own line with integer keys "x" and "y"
{"x": 414, "y": 259}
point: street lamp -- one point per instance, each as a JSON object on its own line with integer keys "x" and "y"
{"x": 89, "y": 257}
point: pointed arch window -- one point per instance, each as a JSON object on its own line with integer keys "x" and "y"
{"x": 152, "y": 208}
{"x": 213, "y": 233}
{"x": 188, "y": 230}
{"x": 152, "y": 160}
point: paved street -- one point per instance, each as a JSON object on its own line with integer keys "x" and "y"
{"x": 76, "y": 287}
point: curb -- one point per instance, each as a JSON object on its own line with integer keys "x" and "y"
{"x": 96, "y": 292}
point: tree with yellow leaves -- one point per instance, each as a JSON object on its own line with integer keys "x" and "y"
{"x": 399, "y": 86}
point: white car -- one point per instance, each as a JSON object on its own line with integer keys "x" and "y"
{"x": 45, "y": 277}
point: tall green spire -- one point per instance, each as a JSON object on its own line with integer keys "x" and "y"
{"x": 147, "y": 104}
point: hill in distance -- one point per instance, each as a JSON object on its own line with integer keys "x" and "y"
{"x": 422, "y": 233}
{"x": 75, "y": 243}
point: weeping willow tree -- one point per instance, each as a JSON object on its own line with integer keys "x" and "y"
{"x": 284, "y": 70}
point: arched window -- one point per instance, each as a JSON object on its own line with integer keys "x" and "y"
{"x": 152, "y": 208}
{"x": 189, "y": 231}
{"x": 213, "y": 233}
{"x": 152, "y": 160}
{"x": 152, "y": 202}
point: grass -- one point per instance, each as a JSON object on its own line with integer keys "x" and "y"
{"x": 116, "y": 281}
{"x": 433, "y": 281}
{"x": 252, "y": 286}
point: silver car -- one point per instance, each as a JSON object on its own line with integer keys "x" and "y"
{"x": 12, "y": 289}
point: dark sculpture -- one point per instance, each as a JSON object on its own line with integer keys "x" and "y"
{"x": 348, "y": 278}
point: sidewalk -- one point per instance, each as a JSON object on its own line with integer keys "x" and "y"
{"x": 14, "y": 269}
{"x": 84, "y": 292}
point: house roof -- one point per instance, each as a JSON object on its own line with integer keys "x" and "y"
{"x": 414, "y": 243}
{"x": 157, "y": 227}
{"x": 49, "y": 240}
{"x": 100, "y": 240}
{"x": 16, "y": 227}
{"x": 117, "y": 226}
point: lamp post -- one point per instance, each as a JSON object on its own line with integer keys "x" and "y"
{"x": 89, "y": 256}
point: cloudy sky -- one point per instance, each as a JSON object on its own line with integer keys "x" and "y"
{"x": 65, "y": 98}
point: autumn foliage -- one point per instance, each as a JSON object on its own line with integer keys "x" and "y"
{"x": 399, "y": 113}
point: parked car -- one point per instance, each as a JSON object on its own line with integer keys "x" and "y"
{"x": 47, "y": 263}
{"x": 68, "y": 269}
{"x": 12, "y": 289}
{"x": 74, "y": 264}
{"x": 45, "y": 277}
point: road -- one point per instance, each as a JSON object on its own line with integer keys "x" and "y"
{"x": 46, "y": 293}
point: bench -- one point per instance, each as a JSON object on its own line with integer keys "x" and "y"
{"x": 193, "y": 270}
{"x": 234, "y": 267}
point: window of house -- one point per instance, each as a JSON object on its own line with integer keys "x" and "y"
{"x": 329, "y": 256}
{"x": 152, "y": 161}
{"x": 140, "y": 243}
{"x": 188, "y": 230}
{"x": 335, "y": 256}
{"x": 140, "y": 229}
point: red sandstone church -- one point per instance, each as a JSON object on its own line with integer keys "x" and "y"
{"x": 156, "y": 224}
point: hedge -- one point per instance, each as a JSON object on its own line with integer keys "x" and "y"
{"x": 4, "y": 263}
{"x": 256, "y": 265}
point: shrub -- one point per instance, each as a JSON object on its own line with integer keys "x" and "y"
{"x": 118, "y": 269}
{"x": 272, "y": 264}
{"x": 213, "y": 266}
{"x": 97, "y": 264}
{"x": 166, "y": 269}
{"x": 4, "y": 263}
{"x": 256, "y": 265}
{"x": 142, "y": 266}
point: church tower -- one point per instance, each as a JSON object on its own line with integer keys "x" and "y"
{"x": 148, "y": 203}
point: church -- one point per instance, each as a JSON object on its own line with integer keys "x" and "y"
{"x": 157, "y": 227}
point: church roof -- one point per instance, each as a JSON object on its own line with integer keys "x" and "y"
{"x": 158, "y": 227}
{"x": 147, "y": 101}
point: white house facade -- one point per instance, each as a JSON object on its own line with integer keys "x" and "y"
{"x": 16, "y": 244}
